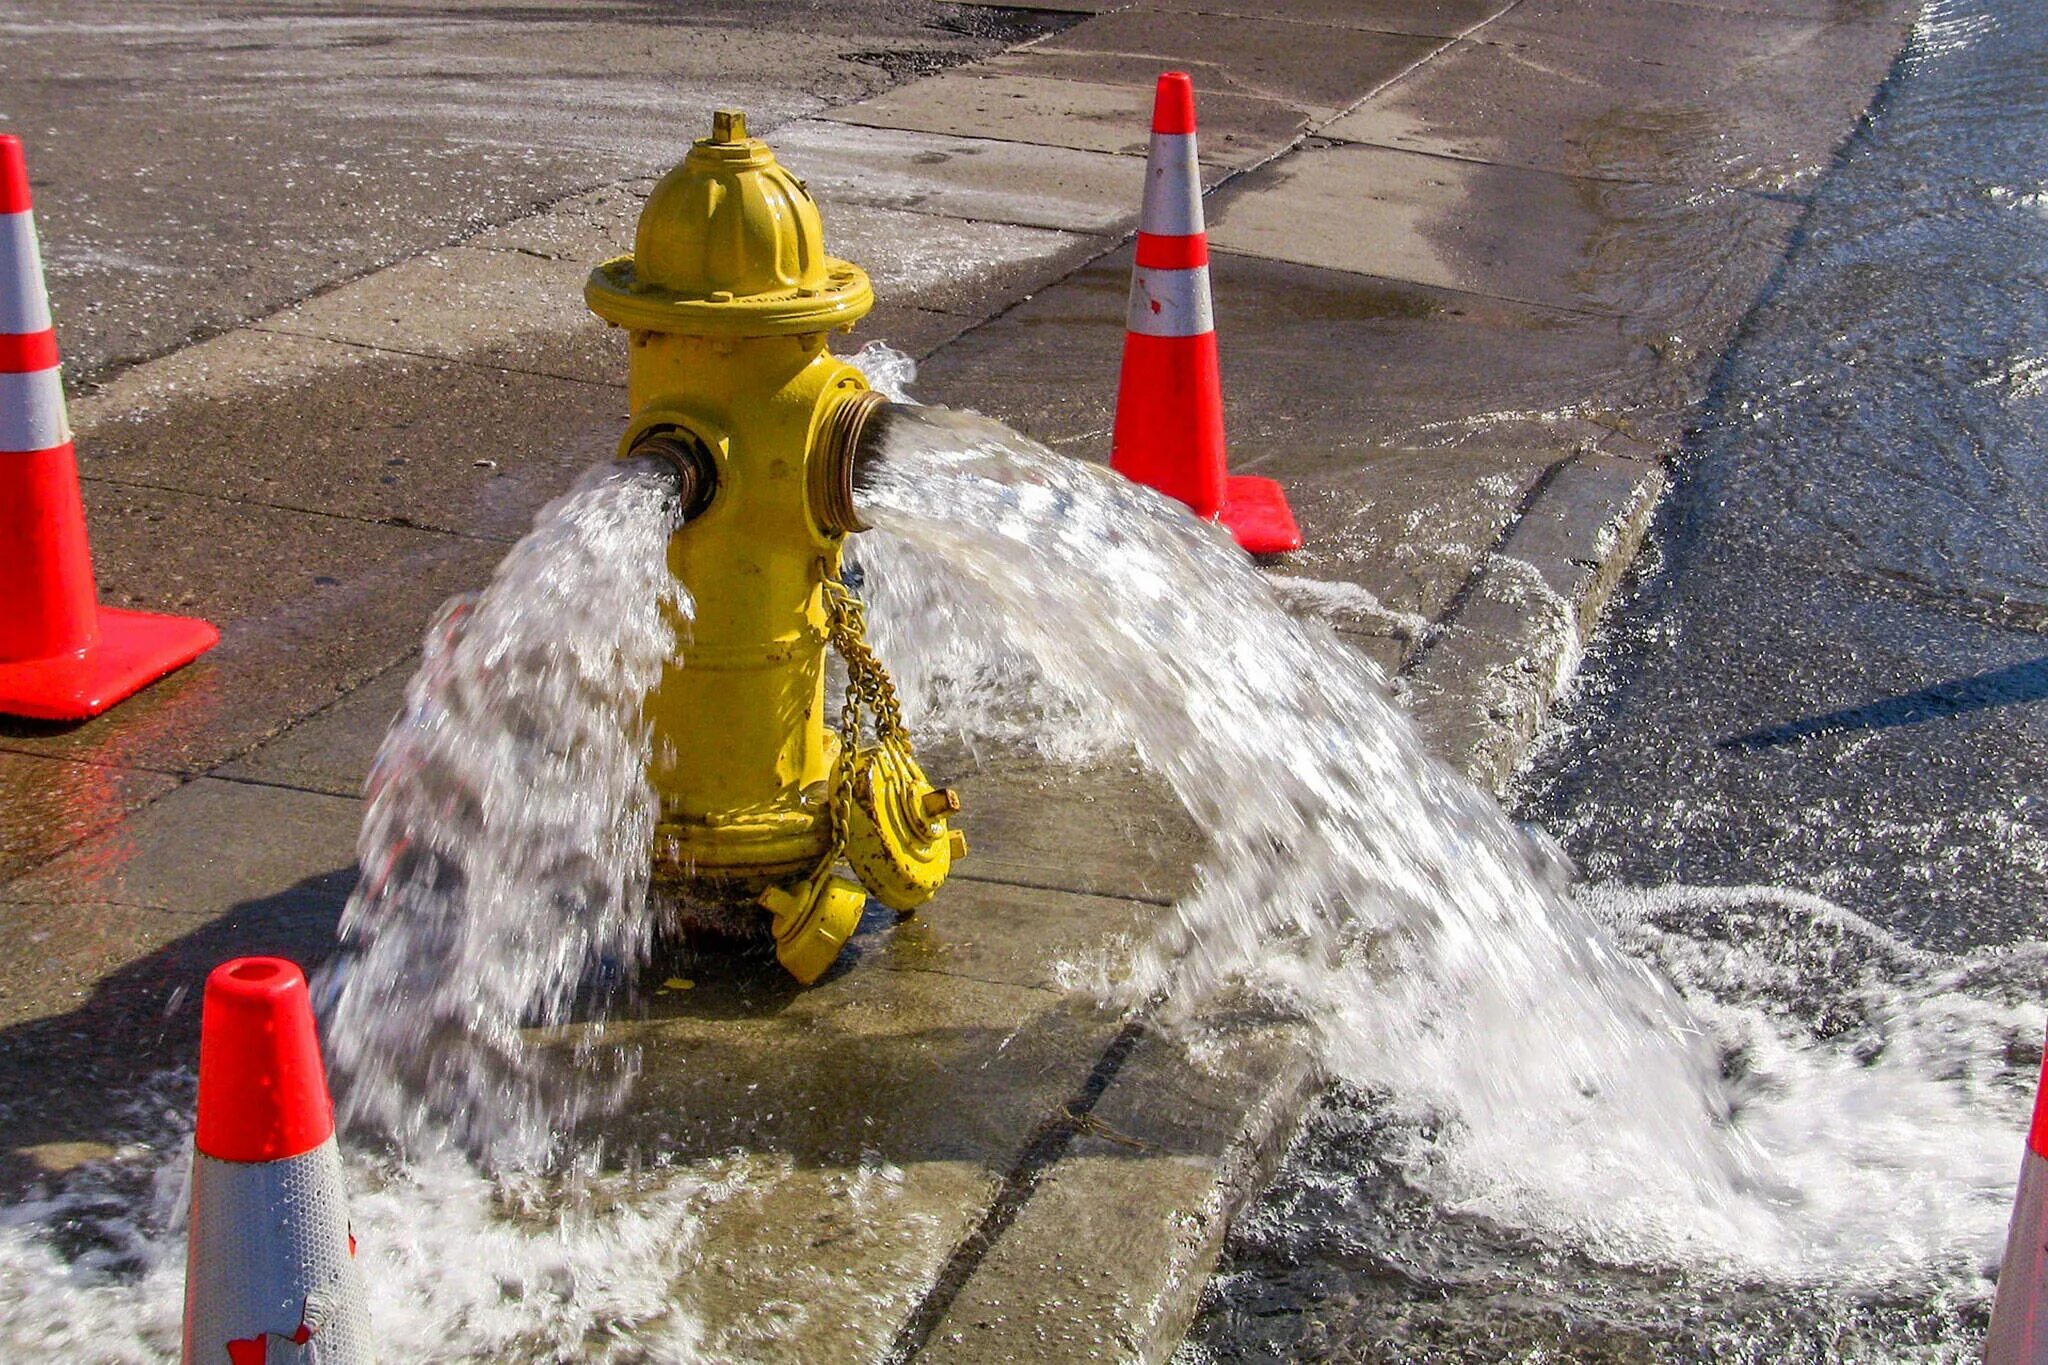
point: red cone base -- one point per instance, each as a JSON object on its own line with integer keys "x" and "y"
{"x": 135, "y": 648}
{"x": 1256, "y": 513}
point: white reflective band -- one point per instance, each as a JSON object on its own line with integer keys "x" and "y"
{"x": 24, "y": 305}
{"x": 268, "y": 1260}
{"x": 1170, "y": 303}
{"x": 2019, "y": 1327}
{"x": 32, "y": 411}
{"x": 1173, "y": 187}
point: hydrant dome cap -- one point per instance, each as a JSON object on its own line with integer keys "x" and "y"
{"x": 730, "y": 242}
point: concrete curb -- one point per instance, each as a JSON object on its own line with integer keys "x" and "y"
{"x": 1483, "y": 684}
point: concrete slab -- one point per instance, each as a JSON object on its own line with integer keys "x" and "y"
{"x": 1431, "y": 18}
{"x": 874, "y": 1117}
{"x": 823, "y": 1263}
{"x": 1167, "y": 1152}
{"x": 916, "y": 259}
{"x": 1237, "y": 130}
{"x": 917, "y": 332}
{"x": 1766, "y": 114}
{"x": 589, "y": 227}
{"x": 331, "y": 750}
{"x": 231, "y": 365}
{"x": 981, "y": 179}
{"x": 1387, "y": 363}
{"x": 1109, "y": 829}
{"x": 309, "y": 607}
{"x": 1482, "y": 687}
{"x": 1016, "y": 935}
{"x": 949, "y": 265}
{"x": 447, "y": 445}
{"x": 1701, "y": 36}
{"x": 1411, "y": 523}
{"x": 465, "y": 303}
{"x": 49, "y": 804}
{"x": 1307, "y": 66}
{"x": 1652, "y": 252}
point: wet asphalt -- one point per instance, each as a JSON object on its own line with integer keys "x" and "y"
{"x": 1833, "y": 672}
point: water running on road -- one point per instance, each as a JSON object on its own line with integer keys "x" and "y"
{"x": 1833, "y": 683}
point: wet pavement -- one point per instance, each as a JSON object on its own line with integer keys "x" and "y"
{"x": 1832, "y": 677}
{"x": 1465, "y": 359}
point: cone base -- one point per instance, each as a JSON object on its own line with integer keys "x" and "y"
{"x": 135, "y": 648}
{"x": 1256, "y": 514}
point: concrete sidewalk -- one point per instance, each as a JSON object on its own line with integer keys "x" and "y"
{"x": 1475, "y": 260}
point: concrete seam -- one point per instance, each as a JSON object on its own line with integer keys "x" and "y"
{"x": 369, "y": 679}
{"x": 275, "y": 784}
{"x": 270, "y": 328}
{"x": 186, "y": 777}
{"x": 1047, "y": 1143}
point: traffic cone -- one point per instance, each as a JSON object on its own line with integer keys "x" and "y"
{"x": 62, "y": 655}
{"x": 2019, "y": 1315}
{"x": 1169, "y": 400}
{"x": 270, "y": 1273}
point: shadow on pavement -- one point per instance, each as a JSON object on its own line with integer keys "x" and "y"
{"x": 66, "y": 1078}
{"x": 1999, "y": 687}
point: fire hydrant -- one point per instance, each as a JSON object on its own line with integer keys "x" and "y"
{"x": 728, "y": 297}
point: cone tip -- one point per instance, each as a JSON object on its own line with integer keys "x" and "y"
{"x": 262, "y": 1088}
{"x": 13, "y": 175}
{"x": 1173, "y": 107}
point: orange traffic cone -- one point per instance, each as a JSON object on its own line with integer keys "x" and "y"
{"x": 1169, "y": 401}
{"x": 62, "y": 655}
{"x": 270, "y": 1273}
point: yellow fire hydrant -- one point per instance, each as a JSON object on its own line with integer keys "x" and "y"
{"x": 728, "y": 297}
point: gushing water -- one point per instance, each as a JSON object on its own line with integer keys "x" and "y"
{"x": 504, "y": 852}
{"x": 1628, "y": 1081}
{"x": 1623, "y": 1077}
{"x": 504, "y": 856}
{"x": 1382, "y": 894}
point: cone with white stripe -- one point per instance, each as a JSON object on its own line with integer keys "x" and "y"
{"x": 1169, "y": 400}
{"x": 2019, "y": 1316}
{"x": 62, "y": 655}
{"x": 270, "y": 1273}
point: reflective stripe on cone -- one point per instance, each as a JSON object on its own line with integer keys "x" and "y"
{"x": 2019, "y": 1316}
{"x": 270, "y": 1271}
{"x": 270, "y": 1276}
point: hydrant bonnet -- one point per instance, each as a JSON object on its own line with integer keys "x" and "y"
{"x": 730, "y": 243}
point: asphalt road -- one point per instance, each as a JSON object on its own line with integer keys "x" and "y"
{"x": 1836, "y": 679}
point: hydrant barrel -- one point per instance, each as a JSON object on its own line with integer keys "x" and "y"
{"x": 728, "y": 297}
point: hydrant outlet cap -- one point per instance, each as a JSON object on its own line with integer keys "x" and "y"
{"x": 729, "y": 243}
